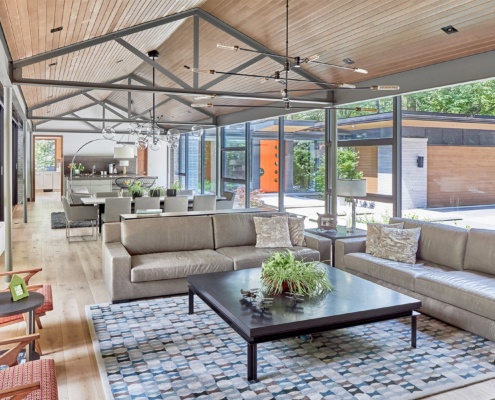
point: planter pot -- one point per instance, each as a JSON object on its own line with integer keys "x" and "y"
{"x": 154, "y": 193}
{"x": 77, "y": 172}
{"x": 171, "y": 192}
{"x": 136, "y": 195}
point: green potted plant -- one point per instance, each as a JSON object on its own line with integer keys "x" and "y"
{"x": 136, "y": 189}
{"x": 76, "y": 168}
{"x": 156, "y": 191}
{"x": 177, "y": 185}
{"x": 283, "y": 273}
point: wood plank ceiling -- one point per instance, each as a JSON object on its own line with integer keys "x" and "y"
{"x": 382, "y": 36}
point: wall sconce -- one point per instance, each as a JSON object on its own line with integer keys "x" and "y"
{"x": 420, "y": 161}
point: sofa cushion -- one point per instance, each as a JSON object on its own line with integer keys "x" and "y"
{"x": 480, "y": 251}
{"x": 471, "y": 291}
{"x": 252, "y": 257}
{"x": 296, "y": 231}
{"x": 157, "y": 235}
{"x": 237, "y": 229}
{"x": 173, "y": 265}
{"x": 394, "y": 272}
{"x": 440, "y": 244}
{"x": 398, "y": 244}
{"x": 373, "y": 233}
{"x": 272, "y": 232}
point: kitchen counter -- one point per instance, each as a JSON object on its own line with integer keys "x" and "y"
{"x": 104, "y": 177}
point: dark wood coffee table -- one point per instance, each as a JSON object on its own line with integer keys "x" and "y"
{"x": 354, "y": 302}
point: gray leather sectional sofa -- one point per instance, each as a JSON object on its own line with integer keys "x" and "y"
{"x": 454, "y": 275}
{"x": 153, "y": 256}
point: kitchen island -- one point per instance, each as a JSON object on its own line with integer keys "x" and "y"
{"x": 96, "y": 183}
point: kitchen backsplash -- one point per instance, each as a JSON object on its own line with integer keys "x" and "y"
{"x": 100, "y": 162}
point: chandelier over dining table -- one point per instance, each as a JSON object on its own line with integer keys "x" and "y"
{"x": 149, "y": 134}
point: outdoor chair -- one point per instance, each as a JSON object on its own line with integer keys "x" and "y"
{"x": 114, "y": 206}
{"x": 30, "y": 380}
{"x": 44, "y": 289}
{"x": 175, "y": 204}
{"x": 75, "y": 213}
{"x": 146, "y": 203}
{"x": 107, "y": 194}
{"x": 204, "y": 202}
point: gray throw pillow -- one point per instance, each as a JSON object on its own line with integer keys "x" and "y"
{"x": 373, "y": 233}
{"x": 296, "y": 231}
{"x": 398, "y": 244}
{"x": 272, "y": 232}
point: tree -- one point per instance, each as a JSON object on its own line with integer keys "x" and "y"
{"x": 44, "y": 154}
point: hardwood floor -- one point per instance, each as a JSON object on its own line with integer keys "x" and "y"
{"x": 74, "y": 270}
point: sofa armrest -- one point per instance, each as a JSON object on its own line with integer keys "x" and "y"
{"x": 346, "y": 246}
{"x": 323, "y": 245}
{"x": 117, "y": 270}
{"x": 110, "y": 232}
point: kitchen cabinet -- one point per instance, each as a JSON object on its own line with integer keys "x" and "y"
{"x": 94, "y": 185}
{"x": 56, "y": 182}
{"x": 47, "y": 181}
{"x": 38, "y": 180}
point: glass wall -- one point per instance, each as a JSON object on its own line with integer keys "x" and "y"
{"x": 209, "y": 144}
{"x": 233, "y": 162}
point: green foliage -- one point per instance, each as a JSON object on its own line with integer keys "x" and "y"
{"x": 44, "y": 154}
{"x": 473, "y": 98}
{"x": 312, "y": 115}
{"x": 347, "y": 162}
{"x": 177, "y": 185}
{"x": 156, "y": 191}
{"x": 136, "y": 189}
{"x": 303, "y": 168}
{"x": 282, "y": 272}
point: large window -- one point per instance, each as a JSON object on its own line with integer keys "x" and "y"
{"x": 233, "y": 161}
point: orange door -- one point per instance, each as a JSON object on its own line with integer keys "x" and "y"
{"x": 269, "y": 162}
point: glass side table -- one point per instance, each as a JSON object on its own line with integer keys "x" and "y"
{"x": 340, "y": 233}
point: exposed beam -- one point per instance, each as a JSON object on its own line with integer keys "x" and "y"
{"x": 233, "y": 71}
{"x": 104, "y": 38}
{"x": 154, "y": 64}
{"x": 83, "y": 120}
{"x": 218, "y": 23}
{"x": 196, "y": 51}
{"x": 176, "y": 98}
{"x": 107, "y": 103}
{"x": 78, "y": 119}
{"x": 135, "y": 117}
{"x": 69, "y": 96}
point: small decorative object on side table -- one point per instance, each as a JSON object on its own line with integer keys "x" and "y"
{"x": 327, "y": 222}
{"x": 18, "y": 288}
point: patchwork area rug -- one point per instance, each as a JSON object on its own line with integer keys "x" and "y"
{"x": 58, "y": 222}
{"x": 152, "y": 349}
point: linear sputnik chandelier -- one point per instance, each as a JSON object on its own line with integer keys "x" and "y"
{"x": 282, "y": 77}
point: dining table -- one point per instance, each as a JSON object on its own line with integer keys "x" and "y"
{"x": 100, "y": 203}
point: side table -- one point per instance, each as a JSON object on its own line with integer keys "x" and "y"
{"x": 28, "y": 305}
{"x": 340, "y": 233}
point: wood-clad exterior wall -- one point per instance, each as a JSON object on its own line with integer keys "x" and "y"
{"x": 460, "y": 176}
{"x": 368, "y": 164}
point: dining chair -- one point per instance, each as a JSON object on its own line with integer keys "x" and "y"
{"x": 146, "y": 203}
{"x": 75, "y": 198}
{"x": 204, "y": 202}
{"x": 228, "y": 203}
{"x": 114, "y": 206}
{"x": 107, "y": 194}
{"x": 175, "y": 204}
{"x": 33, "y": 379}
{"x": 185, "y": 192}
{"x": 75, "y": 213}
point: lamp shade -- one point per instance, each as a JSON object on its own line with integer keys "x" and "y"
{"x": 123, "y": 152}
{"x": 124, "y": 163}
{"x": 351, "y": 187}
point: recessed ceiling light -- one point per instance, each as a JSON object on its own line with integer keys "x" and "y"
{"x": 348, "y": 61}
{"x": 449, "y": 29}
{"x": 52, "y": 64}
{"x": 58, "y": 29}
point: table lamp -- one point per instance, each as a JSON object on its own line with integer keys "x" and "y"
{"x": 124, "y": 164}
{"x": 351, "y": 188}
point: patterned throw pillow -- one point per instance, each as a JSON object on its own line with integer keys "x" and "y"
{"x": 399, "y": 244}
{"x": 373, "y": 233}
{"x": 296, "y": 231}
{"x": 272, "y": 232}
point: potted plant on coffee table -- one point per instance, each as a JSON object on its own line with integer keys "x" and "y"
{"x": 282, "y": 272}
